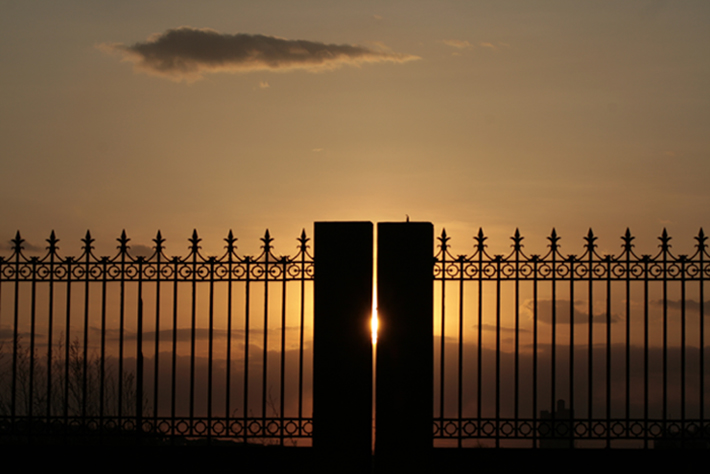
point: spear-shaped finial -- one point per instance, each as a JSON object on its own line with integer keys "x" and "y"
{"x": 52, "y": 241}
{"x": 303, "y": 241}
{"x": 627, "y": 238}
{"x": 664, "y": 238}
{"x": 266, "y": 239}
{"x": 517, "y": 238}
{"x": 194, "y": 241}
{"x": 701, "y": 238}
{"x": 123, "y": 242}
{"x": 553, "y": 238}
{"x": 159, "y": 241}
{"x": 443, "y": 240}
{"x": 87, "y": 240}
{"x": 17, "y": 243}
{"x": 480, "y": 239}
{"x": 590, "y": 238}
{"x": 230, "y": 239}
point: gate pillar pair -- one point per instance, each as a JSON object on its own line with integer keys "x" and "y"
{"x": 342, "y": 379}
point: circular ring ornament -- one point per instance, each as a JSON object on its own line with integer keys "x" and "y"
{"x": 236, "y": 428}
{"x": 291, "y": 428}
{"x": 200, "y": 427}
{"x": 273, "y": 427}
{"x": 218, "y": 427}
{"x": 470, "y": 428}
{"x": 488, "y": 428}
{"x": 450, "y": 428}
{"x": 599, "y": 429}
{"x": 525, "y": 429}
{"x": 507, "y": 429}
{"x": 182, "y": 427}
{"x": 636, "y": 429}
{"x": 618, "y": 429}
{"x": 254, "y": 427}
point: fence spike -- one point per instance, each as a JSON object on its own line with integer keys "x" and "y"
{"x": 52, "y": 241}
{"x": 664, "y": 238}
{"x": 194, "y": 241}
{"x": 17, "y": 242}
{"x": 303, "y": 240}
{"x": 480, "y": 238}
{"x": 230, "y": 239}
{"x": 701, "y": 238}
{"x": 159, "y": 240}
{"x": 267, "y": 241}
{"x": 627, "y": 238}
{"x": 88, "y": 240}
{"x": 553, "y": 238}
{"x": 517, "y": 238}
{"x": 444, "y": 240}
{"x": 123, "y": 242}
{"x": 590, "y": 239}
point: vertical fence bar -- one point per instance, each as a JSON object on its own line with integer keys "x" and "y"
{"x": 33, "y": 308}
{"x": 282, "y": 381}
{"x": 173, "y": 365}
{"x": 210, "y": 350}
{"x": 646, "y": 260}
{"x": 571, "y": 351}
{"x": 67, "y": 343}
{"x": 459, "y": 410}
{"x": 608, "y": 259}
{"x": 342, "y": 365}
{"x": 247, "y": 293}
{"x": 701, "y": 274}
{"x": 50, "y": 322}
{"x": 536, "y": 431}
{"x": 267, "y": 250}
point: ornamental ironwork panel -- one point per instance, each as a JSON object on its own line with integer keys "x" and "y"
{"x": 165, "y": 347}
{"x": 560, "y": 350}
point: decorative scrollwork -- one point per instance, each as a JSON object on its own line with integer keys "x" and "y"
{"x": 554, "y": 265}
{"x": 157, "y": 267}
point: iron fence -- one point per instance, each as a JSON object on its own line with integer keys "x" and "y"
{"x": 571, "y": 351}
{"x": 168, "y": 347}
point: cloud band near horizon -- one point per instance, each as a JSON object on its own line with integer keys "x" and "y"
{"x": 187, "y": 53}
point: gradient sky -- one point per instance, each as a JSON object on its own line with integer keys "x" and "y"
{"x": 493, "y": 114}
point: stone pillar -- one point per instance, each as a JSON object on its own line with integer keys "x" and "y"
{"x": 405, "y": 352}
{"x": 342, "y": 352}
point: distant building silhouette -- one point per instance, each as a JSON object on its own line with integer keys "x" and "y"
{"x": 555, "y": 434}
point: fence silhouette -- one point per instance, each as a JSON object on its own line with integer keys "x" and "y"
{"x": 603, "y": 349}
{"x": 523, "y": 350}
{"x": 162, "y": 346}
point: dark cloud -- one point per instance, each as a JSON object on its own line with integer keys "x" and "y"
{"x": 690, "y": 305}
{"x": 562, "y": 312}
{"x": 188, "y": 53}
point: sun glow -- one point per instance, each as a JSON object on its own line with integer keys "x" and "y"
{"x": 374, "y": 322}
{"x": 373, "y": 325}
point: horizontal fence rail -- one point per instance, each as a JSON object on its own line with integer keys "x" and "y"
{"x": 166, "y": 348}
{"x": 562, "y": 350}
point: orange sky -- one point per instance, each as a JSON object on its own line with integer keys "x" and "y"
{"x": 466, "y": 114}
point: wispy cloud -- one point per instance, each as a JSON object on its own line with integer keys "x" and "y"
{"x": 463, "y": 44}
{"x": 458, "y": 44}
{"x": 188, "y": 53}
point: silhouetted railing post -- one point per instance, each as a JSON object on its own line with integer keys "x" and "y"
{"x": 342, "y": 353}
{"x": 405, "y": 357}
